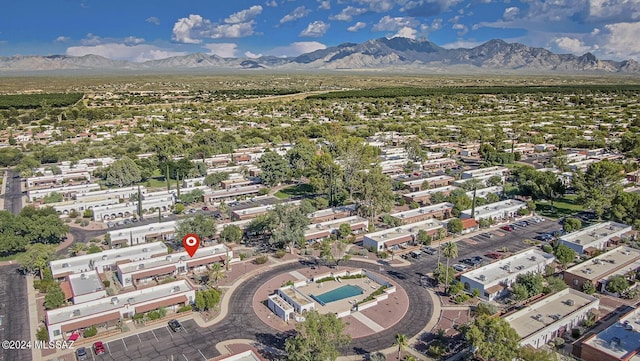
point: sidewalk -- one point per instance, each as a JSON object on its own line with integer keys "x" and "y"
{"x": 36, "y": 354}
{"x": 3, "y": 189}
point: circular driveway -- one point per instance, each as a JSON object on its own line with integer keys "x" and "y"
{"x": 242, "y": 322}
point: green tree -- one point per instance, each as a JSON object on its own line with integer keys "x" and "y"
{"x": 598, "y": 186}
{"x": 617, "y": 284}
{"x": 414, "y": 150}
{"x": 36, "y": 257}
{"x": 492, "y": 338}
{"x": 123, "y": 172}
{"x": 423, "y": 237}
{"x": 531, "y": 354}
{"x": 533, "y": 282}
{"x": 565, "y": 255}
{"x": 78, "y": 247}
{"x": 215, "y": 272}
{"x": 554, "y": 284}
{"x": 344, "y": 231}
{"x": 213, "y": 180}
{"x": 54, "y": 297}
{"x": 287, "y": 225}
{"x": 318, "y": 338}
{"x": 486, "y": 309}
{"x": 42, "y": 334}
{"x": 588, "y": 287}
{"x": 300, "y": 157}
{"x": 53, "y": 197}
{"x": 231, "y": 233}
{"x": 572, "y": 224}
{"x": 326, "y": 178}
{"x": 444, "y": 274}
{"x": 201, "y": 303}
{"x": 449, "y": 251}
{"x": 402, "y": 341}
{"x": 203, "y": 226}
{"x": 455, "y": 226}
{"x": 274, "y": 167}
{"x": 520, "y": 292}
{"x": 374, "y": 193}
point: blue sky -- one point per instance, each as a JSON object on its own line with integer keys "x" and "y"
{"x": 140, "y": 30}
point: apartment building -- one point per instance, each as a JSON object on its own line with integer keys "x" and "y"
{"x": 594, "y": 237}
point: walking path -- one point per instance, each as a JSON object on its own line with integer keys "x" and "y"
{"x": 3, "y": 188}
{"x": 33, "y": 316}
{"x": 367, "y": 321}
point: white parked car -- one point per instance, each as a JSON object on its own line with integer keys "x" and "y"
{"x": 460, "y": 267}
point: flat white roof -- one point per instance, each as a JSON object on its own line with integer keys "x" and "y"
{"x": 85, "y": 283}
{"x": 620, "y": 339}
{"x": 606, "y": 263}
{"x": 483, "y": 192}
{"x": 329, "y": 211}
{"x": 594, "y": 234}
{"x": 528, "y": 261}
{"x": 423, "y": 210}
{"x": 151, "y": 228}
{"x": 548, "y": 310}
{"x": 431, "y": 191}
{"x": 173, "y": 258}
{"x": 496, "y": 207}
{"x": 404, "y": 230}
{"x": 85, "y": 309}
{"x": 429, "y": 179}
{"x": 334, "y": 224}
{"x": 260, "y": 209}
{"x": 79, "y": 263}
{"x": 484, "y": 171}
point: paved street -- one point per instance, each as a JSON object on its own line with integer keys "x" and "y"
{"x": 13, "y": 195}
{"x": 14, "y": 314}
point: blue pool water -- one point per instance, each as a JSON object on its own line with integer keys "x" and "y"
{"x": 343, "y": 292}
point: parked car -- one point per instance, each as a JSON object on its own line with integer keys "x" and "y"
{"x": 494, "y": 255}
{"x": 487, "y": 234}
{"x": 460, "y": 267}
{"x": 507, "y": 228}
{"x": 205, "y": 208}
{"x": 98, "y": 348}
{"x": 175, "y": 325}
{"x": 81, "y": 354}
{"x": 429, "y": 250}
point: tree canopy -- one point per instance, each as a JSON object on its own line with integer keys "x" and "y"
{"x": 123, "y": 172}
{"x": 203, "y": 226}
{"x": 318, "y": 338}
{"x": 275, "y": 169}
{"x": 30, "y": 226}
{"x": 598, "y": 186}
{"x": 492, "y": 338}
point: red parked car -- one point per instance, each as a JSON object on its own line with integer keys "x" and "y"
{"x": 98, "y": 348}
{"x": 494, "y": 255}
{"x": 507, "y": 228}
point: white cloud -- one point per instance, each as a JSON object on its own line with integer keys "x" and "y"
{"x": 511, "y": 13}
{"x": 244, "y": 16}
{"x": 379, "y": 6}
{"x": 224, "y": 50}
{"x": 426, "y": 8}
{"x": 461, "y": 27}
{"x": 62, "y": 39}
{"x": 132, "y": 40}
{"x": 251, "y": 55}
{"x": 405, "y": 32}
{"x": 272, "y": 3}
{"x": 297, "y": 13}
{"x": 193, "y": 29}
{"x": 388, "y": 23}
{"x": 315, "y": 29}
{"x": 91, "y": 39}
{"x": 297, "y": 48}
{"x": 136, "y": 53}
{"x": 348, "y": 13}
{"x": 621, "y": 40}
{"x": 462, "y": 44}
{"x": 614, "y": 10}
{"x": 572, "y": 45}
{"x": 185, "y": 28}
{"x": 357, "y": 26}
{"x": 153, "y": 20}
{"x": 324, "y": 5}
{"x": 436, "y": 24}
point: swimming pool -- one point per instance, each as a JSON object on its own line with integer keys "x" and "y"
{"x": 343, "y": 292}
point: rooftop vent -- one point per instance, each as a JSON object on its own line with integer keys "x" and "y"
{"x": 398, "y": 230}
{"x": 76, "y": 313}
{"x": 168, "y": 258}
{"x": 176, "y": 289}
{"x": 532, "y": 258}
{"x": 538, "y": 317}
{"x": 83, "y": 276}
{"x": 145, "y": 250}
{"x": 65, "y": 265}
{"x": 131, "y": 300}
{"x": 105, "y": 257}
{"x": 141, "y": 266}
{"x": 114, "y": 300}
{"x": 615, "y": 341}
{"x": 482, "y": 277}
{"x": 569, "y": 302}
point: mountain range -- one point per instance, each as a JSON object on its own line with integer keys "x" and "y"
{"x": 394, "y": 54}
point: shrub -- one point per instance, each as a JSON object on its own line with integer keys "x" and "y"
{"x": 280, "y": 253}
{"x": 87, "y": 213}
{"x": 153, "y": 315}
{"x": 77, "y": 221}
{"x": 73, "y": 214}
{"x": 558, "y": 341}
{"x": 383, "y": 255}
{"x": 261, "y": 259}
{"x": 436, "y": 350}
{"x": 326, "y": 279}
{"x": 84, "y": 223}
{"x": 138, "y": 316}
{"x": 90, "y": 332}
{"x": 547, "y": 248}
{"x": 575, "y": 333}
{"x": 106, "y": 283}
{"x": 186, "y": 308}
{"x": 42, "y": 334}
{"x": 242, "y": 256}
{"x": 351, "y": 277}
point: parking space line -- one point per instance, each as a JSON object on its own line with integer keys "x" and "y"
{"x": 154, "y": 335}
{"x": 184, "y": 329}
{"x": 201, "y": 354}
{"x": 167, "y": 327}
{"x": 125, "y": 345}
{"x": 185, "y": 357}
{"x": 108, "y": 348}
{"x": 139, "y": 339}
{"x": 93, "y": 357}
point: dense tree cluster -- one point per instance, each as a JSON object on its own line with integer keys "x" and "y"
{"x": 29, "y": 227}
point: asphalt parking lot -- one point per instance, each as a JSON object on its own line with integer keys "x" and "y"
{"x": 158, "y": 344}
{"x": 478, "y": 245}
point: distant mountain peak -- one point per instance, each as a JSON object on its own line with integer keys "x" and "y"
{"x": 392, "y": 54}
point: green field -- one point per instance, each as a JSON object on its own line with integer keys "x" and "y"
{"x": 562, "y": 207}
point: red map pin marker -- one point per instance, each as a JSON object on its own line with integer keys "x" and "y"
{"x": 191, "y": 242}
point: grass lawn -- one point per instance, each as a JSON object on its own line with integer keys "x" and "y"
{"x": 158, "y": 182}
{"x": 562, "y": 207}
{"x": 9, "y": 258}
{"x": 295, "y": 191}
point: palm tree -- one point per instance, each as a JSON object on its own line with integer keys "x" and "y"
{"x": 410, "y": 358}
{"x": 401, "y": 341}
{"x": 450, "y": 250}
{"x": 215, "y": 272}
{"x": 378, "y": 356}
{"x": 77, "y": 247}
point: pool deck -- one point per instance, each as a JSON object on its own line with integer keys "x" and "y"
{"x": 361, "y": 324}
